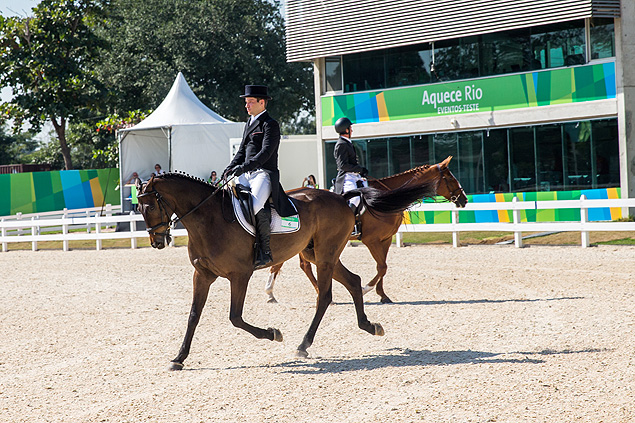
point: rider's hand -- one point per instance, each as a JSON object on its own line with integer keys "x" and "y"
{"x": 227, "y": 173}
{"x": 364, "y": 172}
{"x": 238, "y": 170}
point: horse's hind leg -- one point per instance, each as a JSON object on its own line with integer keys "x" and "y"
{"x": 274, "y": 271}
{"x": 324, "y": 283}
{"x": 379, "y": 251}
{"x": 353, "y": 284}
{"x": 202, "y": 282}
{"x": 238, "y": 284}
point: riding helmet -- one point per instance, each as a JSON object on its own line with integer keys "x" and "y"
{"x": 342, "y": 124}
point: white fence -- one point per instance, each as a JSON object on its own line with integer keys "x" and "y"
{"x": 37, "y": 227}
{"x": 518, "y": 227}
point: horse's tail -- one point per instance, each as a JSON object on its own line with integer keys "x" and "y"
{"x": 394, "y": 201}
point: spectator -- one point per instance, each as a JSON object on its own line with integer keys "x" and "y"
{"x": 213, "y": 179}
{"x": 157, "y": 170}
{"x": 309, "y": 182}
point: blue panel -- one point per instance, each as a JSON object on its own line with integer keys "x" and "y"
{"x": 609, "y": 79}
{"x": 485, "y": 216}
{"x": 74, "y": 197}
{"x": 365, "y": 108}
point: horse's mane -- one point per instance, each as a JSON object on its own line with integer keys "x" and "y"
{"x": 184, "y": 176}
{"x": 407, "y": 172}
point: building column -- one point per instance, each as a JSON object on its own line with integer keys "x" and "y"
{"x": 318, "y": 71}
{"x": 625, "y": 80}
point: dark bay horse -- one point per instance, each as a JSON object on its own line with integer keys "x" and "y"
{"x": 218, "y": 245}
{"x": 378, "y": 229}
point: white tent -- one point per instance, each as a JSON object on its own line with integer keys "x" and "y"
{"x": 181, "y": 134}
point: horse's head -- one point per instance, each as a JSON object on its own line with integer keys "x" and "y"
{"x": 449, "y": 187}
{"x": 155, "y": 212}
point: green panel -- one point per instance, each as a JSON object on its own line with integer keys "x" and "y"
{"x": 21, "y": 193}
{"x": 5, "y": 195}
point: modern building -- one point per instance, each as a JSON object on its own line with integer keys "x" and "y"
{"x": 526, "y": 95}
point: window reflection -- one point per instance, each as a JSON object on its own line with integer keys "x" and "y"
{"x": 520, "y": 50}
{"x": 555, "y": 157}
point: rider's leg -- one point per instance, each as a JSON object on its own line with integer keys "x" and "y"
{"x": 261, "y": 190}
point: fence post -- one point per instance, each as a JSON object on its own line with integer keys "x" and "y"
{"x": 455, "y": 233}
{"x": 88, "y": 224}
{"x": 18, "y": 216}
{"x": 34, "y": 232}
{"x": 108, "y": 214}
{"x": 584, "y": 218}
{"x": 399, "y": 239}
{"x": 65, "y": 231}
{"x": 133, "y": 229}
{"x": 518, "y": 235}
{"x": 97, "y": 231}
{"x": 5, "y": 246}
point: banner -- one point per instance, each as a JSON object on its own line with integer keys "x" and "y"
{"x": 517, "y": 91}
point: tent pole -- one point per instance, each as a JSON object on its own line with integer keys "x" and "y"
{"x": 169, "y": 149}
{"x": 119, "y": 139}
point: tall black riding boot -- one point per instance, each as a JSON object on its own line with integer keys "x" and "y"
{"x": 357, "y": 229}
{"x": 262, "y": 252}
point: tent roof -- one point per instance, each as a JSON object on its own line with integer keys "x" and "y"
{"x": 180, "y": 107}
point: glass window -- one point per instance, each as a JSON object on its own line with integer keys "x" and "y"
{"x": 505, "y": 52}
{"x": 421, "y": 149}
{"x": 399, "y": 154}
{"x": 470, "y": 161}
{"x": 602, "y": 38}
{"x": 606, "y": 153}
{"x": 364, "y": 71}
{"x": 331, "y": 166}
{"x": 333, "y": 71}
{"x": 496, "y": 161}
{"x": 408, "y": 66}
{"x": 446, "y": 145}
{"x": 377, "y": 157}
{"x": 549, "y": 157}
{"x": 561, "y": 44}
{"x": 523, "y": 165}
{"x": 577, "y": 155}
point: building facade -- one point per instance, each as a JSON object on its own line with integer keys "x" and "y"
{"x": 526, "y": 95}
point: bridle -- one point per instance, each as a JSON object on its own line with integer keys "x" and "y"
{"x": 454, "y": 194}
{"x": 163, "y": 207}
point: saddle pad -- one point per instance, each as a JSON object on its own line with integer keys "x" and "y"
{"x": 279, "y": 225}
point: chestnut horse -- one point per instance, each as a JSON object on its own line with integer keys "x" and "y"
{"x": 378, "y": 229}
{"x": 219, "y": 246}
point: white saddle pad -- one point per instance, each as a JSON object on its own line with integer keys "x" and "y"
{"x": 279, "y": 225}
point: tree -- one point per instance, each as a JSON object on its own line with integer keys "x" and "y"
{"x": 14, "y": 148}
{"x": 47, "y": 60}
{"x": 219, "y": 45}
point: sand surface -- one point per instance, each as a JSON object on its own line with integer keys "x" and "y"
{"x": 476, "y": 334}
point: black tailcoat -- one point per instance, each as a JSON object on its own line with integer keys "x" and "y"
{"x": 346, "y": 160}
{"x": 259, "y": 150}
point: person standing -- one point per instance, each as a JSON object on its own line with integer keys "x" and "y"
{"x": 350, "y": 174}
{"x": 256, "y": 166}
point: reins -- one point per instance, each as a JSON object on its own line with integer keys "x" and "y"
{"x": 164, "y": 204}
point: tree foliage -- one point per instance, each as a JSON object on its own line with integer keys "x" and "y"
{"x": 47, "y": 61}
{"x": 219, "y": 45}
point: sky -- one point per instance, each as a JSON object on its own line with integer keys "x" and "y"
{"x": 17, "y": 7}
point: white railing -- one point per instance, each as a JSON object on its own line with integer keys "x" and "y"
{"x": 518, "y": 227}
{"x": 35, "y": 228}
{"x": 107, "y": 210}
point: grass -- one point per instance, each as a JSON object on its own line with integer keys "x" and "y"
{"x": 560, "y": 238}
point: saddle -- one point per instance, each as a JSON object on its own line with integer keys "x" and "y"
{"x": 242, "y": 203}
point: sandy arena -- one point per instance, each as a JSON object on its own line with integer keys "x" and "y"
{"x": 476, "y": 334}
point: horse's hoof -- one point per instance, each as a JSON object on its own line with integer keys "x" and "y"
{"x": 386, "y": 300}
{"x": 366, "y": 289}
{"x": 379, "y": 330}
{"x": 277, "y": 335}
{"x": 175, "y": 366}
{"x": 272, "y": 300}
{"x": 301, "y": 354}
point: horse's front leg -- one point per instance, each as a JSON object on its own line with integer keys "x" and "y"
{"x": 202, "y": 281}
{"x": 238, "y": 284}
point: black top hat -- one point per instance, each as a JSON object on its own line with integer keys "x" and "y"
{"x": 258, "y": 91}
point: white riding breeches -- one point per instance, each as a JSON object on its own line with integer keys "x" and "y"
{"x": 350, "y": 182}
{"x": 260, "y": 184}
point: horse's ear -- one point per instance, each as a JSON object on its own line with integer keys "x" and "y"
{"x": 446, "y": 162}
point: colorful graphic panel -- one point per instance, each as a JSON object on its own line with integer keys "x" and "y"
{"x": 38, "y": 192}
{"x": 505, "y": 216}
{"x": 542, "y": 88}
